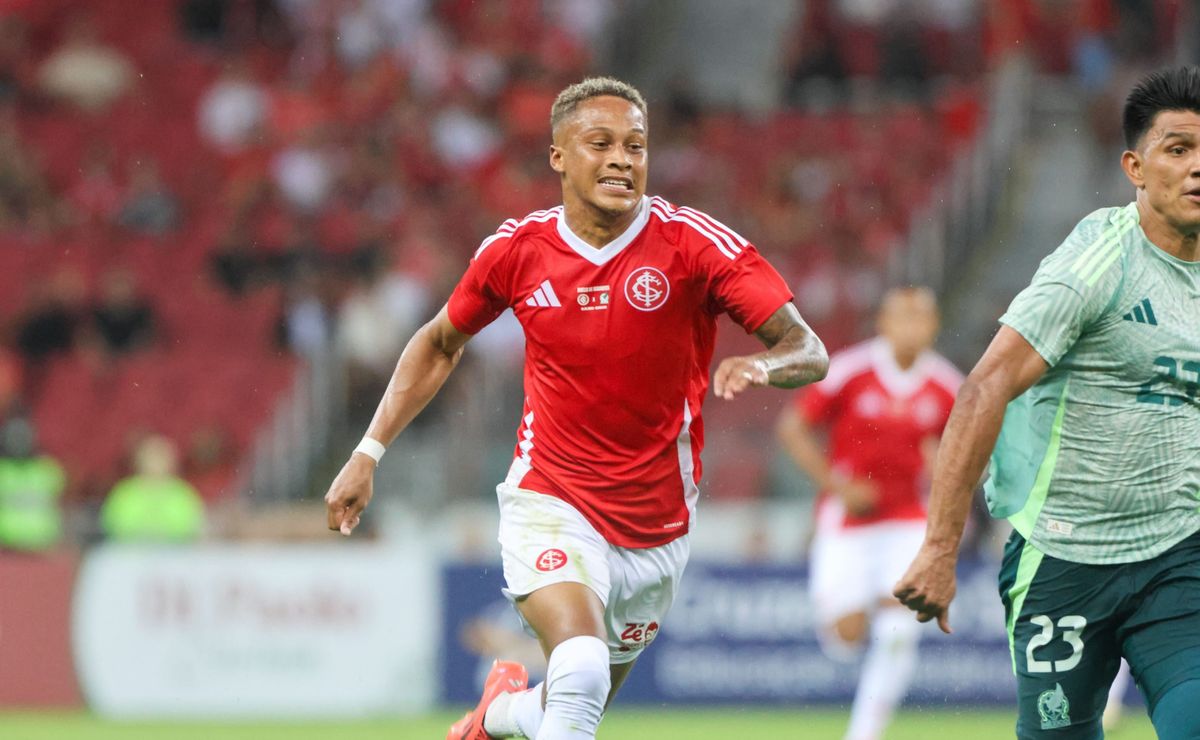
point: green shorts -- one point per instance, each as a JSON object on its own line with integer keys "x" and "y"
{"x": 1069, "y": 625}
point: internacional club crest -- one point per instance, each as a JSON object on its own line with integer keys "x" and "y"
{"x": 647, "y": 288}
{"x": 551, "y": 559}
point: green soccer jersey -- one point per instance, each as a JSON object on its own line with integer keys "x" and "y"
{"x": 1099, "y": 462}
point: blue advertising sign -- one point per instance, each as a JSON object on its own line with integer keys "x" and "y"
{"x": 740, "y": 634}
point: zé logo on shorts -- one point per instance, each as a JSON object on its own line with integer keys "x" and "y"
{"x": 551, "y": 559}
{"x": 638, "y": 634}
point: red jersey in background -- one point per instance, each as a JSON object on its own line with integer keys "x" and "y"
{"x": 878, "y": 415}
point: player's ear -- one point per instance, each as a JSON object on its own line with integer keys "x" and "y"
{"x": 556, "y": 159}
{"x": 1131, "y": 163}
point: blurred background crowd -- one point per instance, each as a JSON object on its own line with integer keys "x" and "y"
{"x": 220, "y": 220}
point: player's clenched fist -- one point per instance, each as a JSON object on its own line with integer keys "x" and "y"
{"x": 928, "y": 587}
{"x": 350, "y": 493}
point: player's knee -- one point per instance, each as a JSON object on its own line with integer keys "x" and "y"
{"x": 851, "y": 628}
{"x": 1174, "y": 714}
{"x": 578, "y": 678}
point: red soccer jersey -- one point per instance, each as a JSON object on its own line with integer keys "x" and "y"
{"x": 618, "y": 342}
{"x": 877, "y": 416}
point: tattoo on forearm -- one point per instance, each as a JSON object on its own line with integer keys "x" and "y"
{"x": 795, "y": 355}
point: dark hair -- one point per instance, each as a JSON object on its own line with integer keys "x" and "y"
{"x": 1177, "y": 88}
{"x": 592, "y": 87}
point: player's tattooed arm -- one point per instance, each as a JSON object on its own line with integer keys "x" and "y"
{"x": 795, "y": 354}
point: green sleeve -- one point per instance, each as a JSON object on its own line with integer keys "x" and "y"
{"x": 1072, "y": 289}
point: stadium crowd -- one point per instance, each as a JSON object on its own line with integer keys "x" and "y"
{"x": 197, "y": 196}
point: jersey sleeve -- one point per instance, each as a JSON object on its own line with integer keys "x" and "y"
{"x": 1072, "y": 288}
{"x": 482, "y": 293}
{"x": 746, "y": 287}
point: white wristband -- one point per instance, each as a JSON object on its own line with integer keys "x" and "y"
{"x": 372, "y": 448}
{"x": 761, "y": 364}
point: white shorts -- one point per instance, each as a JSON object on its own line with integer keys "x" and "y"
{"x": 544, "y": 540}
{"x": 852, "y": 568}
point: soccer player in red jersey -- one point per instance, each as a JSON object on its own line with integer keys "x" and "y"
{"x": 884, "y": 402}
{"x": 618, "y": 294}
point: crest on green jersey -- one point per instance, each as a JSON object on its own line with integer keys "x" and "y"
{"x": 1054, "y": 708}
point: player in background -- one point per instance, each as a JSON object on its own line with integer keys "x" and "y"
{"x": 884, "y": 404}
{"x": 1115, "y": 708}
{"x": 1090, "y": 396}
{"x": 618, "y": 294}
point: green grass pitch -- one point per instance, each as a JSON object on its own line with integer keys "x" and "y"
{"x": 632, "y": 724}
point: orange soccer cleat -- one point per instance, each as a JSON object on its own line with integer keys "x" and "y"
{"x": 505, "y": 677}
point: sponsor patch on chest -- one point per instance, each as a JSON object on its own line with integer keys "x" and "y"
{"x": 593, "y": 297}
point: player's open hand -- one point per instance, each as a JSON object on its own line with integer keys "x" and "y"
{"x": 858, "y": 496}
{"x": 350, "y": 493}
{"x": 928, "y": 586}
{"x": 736, "y": 374}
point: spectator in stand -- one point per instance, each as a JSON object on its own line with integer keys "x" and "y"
{"x": 25, "y": 198}
{"x": 95, "y": 197}
{"x": 149, "y": 207}
{"x": 84, "y": 71}
{"x": 235, "y": 264}
{"x": 385, "y": 307}
{"x": 30, "y": 487}
{"x": 204, "y": 20}
{"x": 305, "y": 322}
{"x": 154, "y": 504}
{"x": 233, "y": 110}
{"x": 17, "y": 70}
{"x": 463, "y": 136}
{"x": 123, "y": 320}
{"x": 811, "y": 52}
{"x": 10, "y": 381}
{"x": 209, "y": 463}
{"x": 362, "y": 33}
{"x": 51, "y": 319}
{"x": 305, "y": 173}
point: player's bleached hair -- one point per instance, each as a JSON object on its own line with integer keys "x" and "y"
{"x": 1177, "y": 88}
{"x": 592, "y": 87}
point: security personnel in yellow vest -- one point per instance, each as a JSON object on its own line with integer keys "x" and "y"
{"x": 154, "y": 504}
{"x": 30, "y": 487}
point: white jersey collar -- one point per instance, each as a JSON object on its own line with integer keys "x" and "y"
{"x": 613, "y": 248}
{"x": 898, "y": 381}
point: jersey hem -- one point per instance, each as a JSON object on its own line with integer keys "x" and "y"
{"x": 612, "y": 537}
{"x": 1052, "y": 549}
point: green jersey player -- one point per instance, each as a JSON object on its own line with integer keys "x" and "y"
{"x": 1090, "y": 396}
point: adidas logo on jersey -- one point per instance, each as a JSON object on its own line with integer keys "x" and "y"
{"x": 543, "y": 297}
{"x": 1142, "y": 314}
